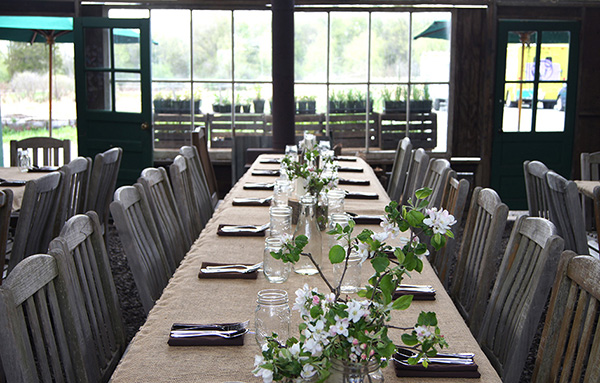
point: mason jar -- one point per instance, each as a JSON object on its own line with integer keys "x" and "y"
{"x": 280, "y": 218}
{"x": 272, "y": 315}
{"x": 275, "y": 270}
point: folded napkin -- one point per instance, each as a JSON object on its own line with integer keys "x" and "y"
{"x": 435, "y": 370}
{"x": 345, "y": 181}
{"x": 345, "y": 158}
{"x": 418, "y": 294}
{"x": 265, "y": 172}
{"x": 13, "y": 183}
{"x": 367, "y": 219}
{"x": 240, "y": 233}
{"x": 208, "y": 340}
{"x": 233, "y": 275}
{"x": 361, "y": 195}
{"x": 271, "y": 161}
{"x": 43, "y": 169}
{"x": 350, "y": 169}
{"x": 250, "y": 201}
{"x": 258, "y": 186}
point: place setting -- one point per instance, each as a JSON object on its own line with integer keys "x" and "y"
{"x": 347, "y": 181}
{"x": 442, "y": 365}
{"x": 266, "y": 172}
{"x": 361, "y": 195}
{"x": 229, "y": 271}
{"x": 252, "y": 201}
{"x": 259, "y": 185}
{"x": 214, "y": 334}
{"x": 242, "y": 230}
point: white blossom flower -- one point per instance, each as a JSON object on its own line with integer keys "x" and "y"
{"x": 314, "y": 347}
{"x": 295, "y": 349}
{"x": 439, "y": 221}
{"x": 355, "y": 311}
{"x": 390, "y": 228}
{"x": 300, "y": 302}
{"x": 381, "y": 237}
{"x": 363, "y": 251}
{"x": 423, "y": 333}
{"x": 329, "y": 298}
{"x": 308, "y": 371}
{"x": 265, "y": 373}
{"x": 340, "y": 327}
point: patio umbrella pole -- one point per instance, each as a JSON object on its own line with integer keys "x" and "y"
{"x": 50, "y": 41}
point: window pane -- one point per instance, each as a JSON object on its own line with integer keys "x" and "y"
{"x": 310, "y": 99}
{"x": 431, "y": 47}
{"x": 212, "y": 45}
{"x": 128, "y": 95}
{"x": 349, "y": 43}
{"x": 521, "y": 44}
{"x": 547, "y": 118}
{"x": 171, "y": 98}
{"x": 554, "y": 65}
{"x": 310, "y": 46}
{"x": 252, "y": 45}
{"x": 517, "y": 115}
{"x": 171, "y": 54}
{"x": 98, "y": 87}
{"x": 127, "y": 48}
{"x": 389, "y": 47}
{"x": 95, "y": 54}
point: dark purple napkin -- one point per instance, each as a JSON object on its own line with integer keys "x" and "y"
{"x": 265, "y": 172}
{"x": 13, "y": 183}
{"x": 258, "y": 186}
{"x": 345, "y": 158}
{"x": 271, "y": 161}
{"x": 251, "y": 203}
{"x": 205, "y": 340}
{"x": 436, "y": 370}
{"x": 43, "y": 169}
{"x": 361, "y": 195}
{"x": 239, "y": 233}
{"x": 350, "y": 169}
{"x": 251, "y": 275}
{"x": 345, "y": 181}
{"x": 417, "y": 295}
{"x": 367, "y": 219}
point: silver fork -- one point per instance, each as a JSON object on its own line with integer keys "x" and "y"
{"x": 252, "y": 228}
{"x": 222, "y": 334}
{"x": 243, "y": 269}
{"x": 257, "y": 200}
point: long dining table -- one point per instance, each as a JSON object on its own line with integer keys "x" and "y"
{"x": 190, "y": 299}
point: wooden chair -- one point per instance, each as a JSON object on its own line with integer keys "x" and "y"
{"x": 590, "y": 171}
{"x": 80, "y": 249}
{"x": 419, "y": 161}
{"x": 400, "y": 168}
{"x": 103, "y": 181}
{"x": 201, "y": 192}
{"x": 75, "y": 181}
{"x": 520, "y": 294}
{"x": 568, "y": 350}
{"x": 183, "y": 192}
{"x": 141, "y": 242}
{"x": 565, "y": 212}
{"x": 45, "y": 151}
{"x": 454, "y": 199}
{"x": 174, "y": 237}
{"x": 476, "y": 264}
{"x": 6, "y": 198}
{"x": 42, "y": 337}
{"x": 435, "y": 179}
{"x": 37, "y": 218}
{"x": 537, "y": 189}
{"x": 200, "y": 141}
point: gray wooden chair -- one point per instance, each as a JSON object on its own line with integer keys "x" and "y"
{"x": 399, "y": 169}
{"x": 42, "y": 337}
{"x": 80, "y": 249}
{"x": 184, "y": 197}
{"x": 199, "y": 183}
{"x": 200, "y": 141}
{"x": 6, "y": 199}
{"x": 417, "y": 167}
{"x": 537, "y": 189}
{"x": 454, "y": 199}
{"x": 141, "y": 242}
{"x": 103, "y": 181}
{"x": 590, "y": 171}
{"x": 565, "y": 212}
{"x": 519, "y": 295}
{"x": 75, "y": 181}
{"x": 568, "y": 350}
{"x": 45, "y": 151}
{"x": 476, "y": 264}
{"x": 174, "y": 237}
{"x": 435, "y": 178}
{"x": 37, "y": 218}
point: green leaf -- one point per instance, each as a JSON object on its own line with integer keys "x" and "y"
{"x": 409, "y": 339}
{"x": 315, "y": 311}
{"x": 301, "y": 241}
{"x": 403, "y": 302}
{"x": 337, "y": 254}
{"x": 276, "y": 255}
{"x": 380, "y": 263}
{"x": 386, "y": 284}
{"x": 449, "y": 233}
{"x": 414, "y": 217}
{"x": 399, "y": 254}
{"x": 365, "y": 235}
{"x": 423, "y": 193}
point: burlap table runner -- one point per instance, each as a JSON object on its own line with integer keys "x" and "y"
{"x": 190, "y": 299}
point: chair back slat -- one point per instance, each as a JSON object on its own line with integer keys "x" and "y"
{"x": 37, "y": 218}
{"x": 42, "y": 338}
{"x": 536, "y": 189}
{"x": 399, "y": 169}
{"x": 183, "y": 192}
{"x": 49, "y": 148}
{"x": 201, "y": 192}
{"x": 141, "y": 242}
{"x": 103, "y": 181}
{"x": 417, "y": 167}
{"x": 200, "y": 141}
{"x": 6, "y": 199}
{"x": 519, "y": 295}
{"x": 75, "y": 181}
{"x": 476, "y": 264}
{"x": 161, "y": 200}
{"x": 435, "y": 179}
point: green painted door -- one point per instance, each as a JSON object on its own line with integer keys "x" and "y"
{"x": 113, "y": 91}
{"x": 536, "y": 75}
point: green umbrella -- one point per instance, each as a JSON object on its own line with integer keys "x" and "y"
{"x": 437, "y": 30}
{"x": 50, "y": 30}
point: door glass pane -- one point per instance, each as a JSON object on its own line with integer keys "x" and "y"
{"x": 98, "y": 87}
{"x": 127, "y": 48}
{"x": 252, "y": 37}
{"x": 349, "y": 43}
{"x": 517, "y": 115}
{"x": 555, "y": 52}
{"x": 171, "y": 53}
{"x": 128, "y": 95}
{"x": 520, "y": 55}
{"x": 95, "y": 42}
{"x": 431, "y": 47}
{"x": 310, "y": 46}
{"x": 389, "y": 47}
{"x": 212, "y": 45}
{"x": 549, "y": 119}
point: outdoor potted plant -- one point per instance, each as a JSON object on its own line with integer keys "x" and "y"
{"x": 306, "y": 105}
{"x": 246, "y": 106}
{"x": 259, "y": 102}
{"x": 223, "y": 105}
{"x": 342, "y": 339}
{"x": 197, "y": 101}
{"x": 163, "y": 103}
{"x": 393, "y": 102}
{"x": 420, "y": 101}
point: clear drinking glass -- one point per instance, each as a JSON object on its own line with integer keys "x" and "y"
{"x": 307, "y": 225}
{"x": 335, "y": 202}
{"x": 281, "y": 192}
{"x": 351, "y": 282}
{"x": 272, "y": 315}
{"x": 280, "y": 220}
{"x": 275, "y": 270}
{"x": 24, "y": 161}
{"x": 334, "y": 219}
{"x": 292, "y": 152}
